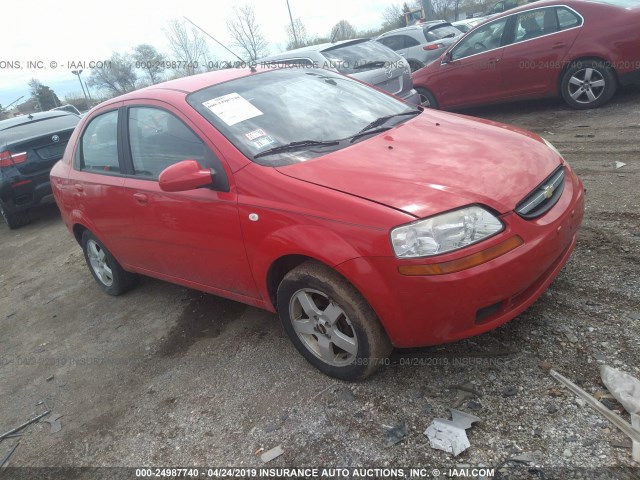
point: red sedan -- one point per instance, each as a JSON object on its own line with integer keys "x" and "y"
{"x": 580, "y": 50}
{"x": 364, "y": 222}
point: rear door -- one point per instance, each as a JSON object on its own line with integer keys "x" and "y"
{"x": 95, "y": 182}
{"x": 540, "y": 40}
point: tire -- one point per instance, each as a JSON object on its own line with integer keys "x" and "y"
{"x": 415, "y": 65}
{"x": 427, "y": 99}
{"x": 111, "y": 277}
{"x": 588, "y": 84}
{"x": 14, "y": 219}
{"x": 330, "y": 323}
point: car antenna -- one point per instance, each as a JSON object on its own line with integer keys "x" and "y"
{"x": 252, "y": 67}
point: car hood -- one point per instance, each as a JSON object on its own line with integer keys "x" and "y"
{"x": 436, "y": 162}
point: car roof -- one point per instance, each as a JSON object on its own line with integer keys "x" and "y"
{"x": 296, "y": 52}
{"x": 419, "y": 26}
{"x": 23, "y": 119}
{"x": 192, "y": 83}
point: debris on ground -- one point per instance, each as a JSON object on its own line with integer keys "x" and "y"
{"x": 50, "y": 377}
{"x": 6, "y": 458}
{"x": 396, "y": 434}
{"x": 465, "y": 391}
{"x": 509, "y": 391}
{"x": 27, "y": 423}
{"x": 620, "y": 164}
{"x": 631, "y": 431}
{"x": 271, "y": 454}
{"x": 54, "y": 421}
{"x": 625, "y": 389}
{"x": 450, "y": 435}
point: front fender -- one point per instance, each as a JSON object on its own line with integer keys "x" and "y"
{"x": 313, "y": 241}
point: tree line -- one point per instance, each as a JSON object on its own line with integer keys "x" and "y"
{"x": 144, "y": 65}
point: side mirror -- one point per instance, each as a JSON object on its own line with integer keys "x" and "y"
{"x": 447, "y": 58}
{"x": 185, "y": 175}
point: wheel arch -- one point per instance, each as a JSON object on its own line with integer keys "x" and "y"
{"x": 583, "y": 58}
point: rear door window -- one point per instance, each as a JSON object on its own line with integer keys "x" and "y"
{"x": 535, "y": 24}
{"x": 99, "y": 145}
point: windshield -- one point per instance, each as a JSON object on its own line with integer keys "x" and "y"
{"x": 359, "y": 57}
{"x": 322, "y": 110}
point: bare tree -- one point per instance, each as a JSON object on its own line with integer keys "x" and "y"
{"x": 189, "y": 47}
{"x": 150, "y": 61}
{"x": 343, "y": 30}
{"x": 117, "y": 77}
{"x": 246, "y": 33}
{"x": 392, "y": 17}
{"x": 443, "y": 9}
{"x": 301, "y": 35}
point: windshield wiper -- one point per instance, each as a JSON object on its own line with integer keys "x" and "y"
{"x": 369, "y": 132}
{"x": 299, "y": 145}
{"x": 379, "y": 121}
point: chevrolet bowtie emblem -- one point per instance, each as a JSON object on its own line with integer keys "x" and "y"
{"x": 548, "y": 191}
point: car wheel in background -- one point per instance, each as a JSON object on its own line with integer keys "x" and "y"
{"x": 427, "y": 99}
{"x": 111, "y": 277}
{"x": 330, "y": 323}
{"x": 415, "y": 64}
{"x": 14, "y": 219}
{"x": 588, "y": 84}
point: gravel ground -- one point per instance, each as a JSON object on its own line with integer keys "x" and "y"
{"x": 169, "y": 376}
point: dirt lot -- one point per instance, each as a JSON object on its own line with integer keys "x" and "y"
{"x": 169, "y": 376}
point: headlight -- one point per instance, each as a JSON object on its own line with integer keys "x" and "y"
{"x": 444, "y": 233}
{"x": 550, "y": 145}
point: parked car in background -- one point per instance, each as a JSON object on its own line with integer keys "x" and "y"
{"x": 29, "y": 146}
{"x": 68, "y": 108}
{"x": 363, "y": 59}
{"x": 465, "y": 25}
{"x": 420, "y": 44}
{"x": 579, "y": 50}
{"x": 365, "y": 222}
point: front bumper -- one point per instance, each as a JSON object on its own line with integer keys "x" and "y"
{"x": 21, "y": 192}
{"x": 430, "y": 310}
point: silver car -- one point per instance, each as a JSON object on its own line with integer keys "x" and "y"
{"x": 363, "y": 59}
{"x": 421, "y": 44}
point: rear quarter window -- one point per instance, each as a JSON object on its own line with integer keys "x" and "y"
{"x": 567, "y": 18}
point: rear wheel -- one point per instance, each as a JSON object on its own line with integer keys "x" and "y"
{"x": 330, "y": 323}
{"x": 14, "y": 219}
{"x": 588, "y": 84}
{"x": 427, "y": 99}
{"x": 111, "y": 277}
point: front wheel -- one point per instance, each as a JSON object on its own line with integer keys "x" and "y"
{"x": 588, "y": 84}
{"x": 111, "y": 277}
{"x": 427, "y": 99}
{"x": 330, "y": 323}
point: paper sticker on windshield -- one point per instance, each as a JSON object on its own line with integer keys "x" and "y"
{"x": 263, "y": 142}
{"x": 255, "y": 134}
{"x": 232, "y": 108}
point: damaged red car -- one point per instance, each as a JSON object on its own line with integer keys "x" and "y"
{"x": 365, "y": 223}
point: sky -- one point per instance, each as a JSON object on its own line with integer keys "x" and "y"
{"x": 53, "y": 34}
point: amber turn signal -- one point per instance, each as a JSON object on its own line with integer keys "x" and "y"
{"x": 464, "y": 262}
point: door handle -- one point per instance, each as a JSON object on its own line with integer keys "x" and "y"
{"x": 141, "y": 198}
{"x": 558, "y": 45}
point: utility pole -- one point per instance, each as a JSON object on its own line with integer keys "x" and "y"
{"x": 293, "y": 28}
{"x": 78, "y": 72}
